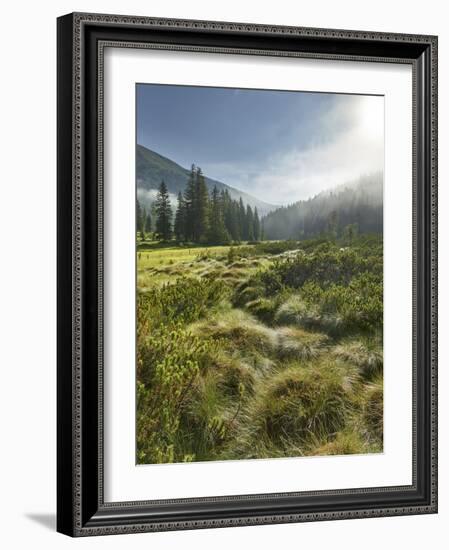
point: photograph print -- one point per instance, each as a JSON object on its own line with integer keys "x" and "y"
{"x": 259, "y": 250}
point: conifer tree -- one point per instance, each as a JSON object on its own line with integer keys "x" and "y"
{"x": 235, "y": 229}
{"x": 143, "y": 220}
{"x": 148, "y": 223}
{"x": 140, "y": 220}
{"x": 163, "y": 213}
{"x": 242, "y": 221}
{"x": 249, "y": 223}
{"x": 180, "y": 219}
{"x": 217, "y": 233}
{"x": 200, "y": 208}
{"x": 189, "y": 205}
{"x": 256, "y": 225}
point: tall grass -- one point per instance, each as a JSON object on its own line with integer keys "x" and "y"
{"x": 296, "y": 405}
{"x": 260, "y": 351}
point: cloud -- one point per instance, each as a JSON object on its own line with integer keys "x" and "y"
{"x": 347, "y": 142}
{"x": 148, "y": 196}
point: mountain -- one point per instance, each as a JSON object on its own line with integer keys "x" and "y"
{"x": 152, "y": 168}
{"x": 358, "y": 202}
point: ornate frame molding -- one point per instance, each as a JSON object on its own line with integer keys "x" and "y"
{"x": 75, "y": 503}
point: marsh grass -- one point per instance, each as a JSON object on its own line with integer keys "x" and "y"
{"x": 295, "y": 343}
{"x": 373, "y": 410}
{"x": 297, "y": 404}
{"x": 366, "y": 354}
{"x": 344, "y": 443}
{"x": 258, "y": 351}
{"x": 237, "y": 330}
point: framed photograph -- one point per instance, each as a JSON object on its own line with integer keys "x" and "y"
{"x": 247, "y": 283}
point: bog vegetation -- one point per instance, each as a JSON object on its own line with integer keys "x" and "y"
{"x": 249, "y": 348}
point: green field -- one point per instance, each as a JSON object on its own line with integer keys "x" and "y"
{"x": 259, "y": 351}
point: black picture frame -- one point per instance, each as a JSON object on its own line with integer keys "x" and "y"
{"x": 81, "y": 510}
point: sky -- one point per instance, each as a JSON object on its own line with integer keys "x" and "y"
{"x": 280, "y": 146}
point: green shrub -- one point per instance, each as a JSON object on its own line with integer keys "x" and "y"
{"x": 168, "y": 362}
{"x": 336, "y": 309}
{"x": 184, "y": 301}
{"x": 358, "y": 306}
{"x": 325, "y": 265}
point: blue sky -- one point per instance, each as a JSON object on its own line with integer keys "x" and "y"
{"x": 279, "y": 146}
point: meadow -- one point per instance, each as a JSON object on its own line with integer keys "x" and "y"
{"x": 263, "y": 350}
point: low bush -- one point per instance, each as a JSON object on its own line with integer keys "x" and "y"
{"x": 168, "y": 363}
{"x": 183, "y": 302}
{"x": 326, "y": 265}
{"x": 336, "y": 309}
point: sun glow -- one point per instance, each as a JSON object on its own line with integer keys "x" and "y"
{"x": 370, "y": 115}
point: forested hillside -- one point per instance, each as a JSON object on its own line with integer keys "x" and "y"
{"x": 152, "y": 168}
{"x": 201, "y": 217}
{"x": 354, "y": 207}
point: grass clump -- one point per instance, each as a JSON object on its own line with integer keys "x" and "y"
{"x": 262, "y": 308}
{"x": 247, "y": 292}
{"x": 202, "y": 427}
{"x": 373, "y": 410}
{"x": 296, "y": 405}
{"x": 237, "y": 330}
{"x": 366, "y": 354}
{"x": 344, "y": 443}
{"x": 234, "y": 375}
{"x": 294, "y": 311}
{"x": 295, "y": 343}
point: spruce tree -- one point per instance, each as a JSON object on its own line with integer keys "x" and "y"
{"x": 234, "y": 226}
{"x": 144, "y": 217}
{"x": 242, "y": 221}
{"x": 249, "y": 223}
{"x": 148, "y": 223}
{"x": 217, "y": 233}
{"x": 163, "y": 213}
{"x": 200, "y": 208}
{"x": 256, "y": 225}
{"x": 140, "y": 220}
{"x": 180, "y": 219}
{"x": 189, "y": 205}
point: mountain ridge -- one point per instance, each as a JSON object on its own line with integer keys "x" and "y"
{"x": 357, "y": 202}
{"x": 152, "y": 168}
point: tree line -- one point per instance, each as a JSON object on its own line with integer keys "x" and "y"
{"x": 201, "y": 217}
{"x": 347, "y": 209}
